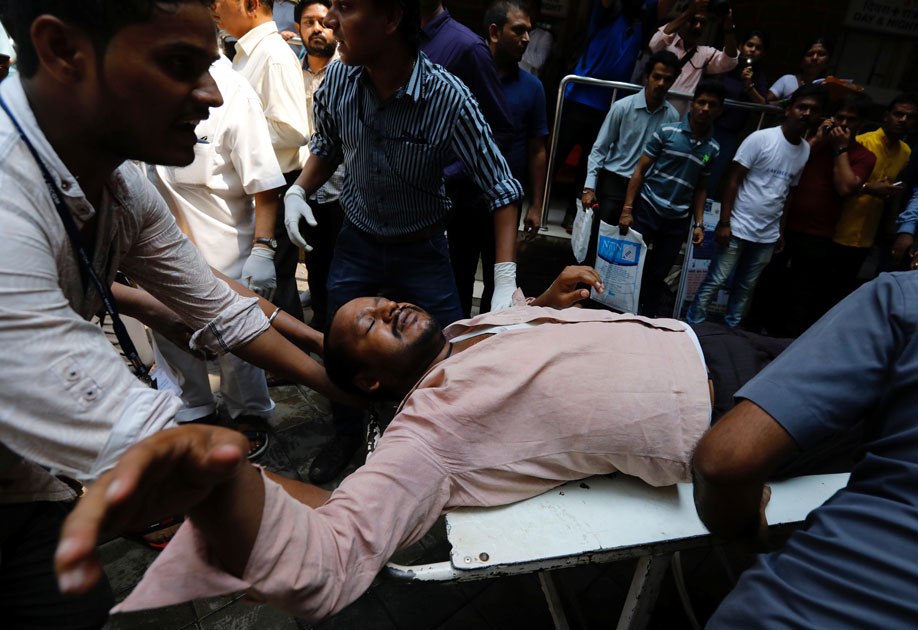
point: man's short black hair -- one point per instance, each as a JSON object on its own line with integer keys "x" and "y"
{"x": 410, "y": 26}
{"x": 302, "y": 4}
{"x": 712, "y": 87}
{"x": 664, "y": 57}
{"x": 341, "y": 365}
{"x": 497, "y": 13}
{"x": 99, "y": 19}
{"x": 860, "y": 104}
{"x": 811, "y": 90}
{"x": 907, "y": 98}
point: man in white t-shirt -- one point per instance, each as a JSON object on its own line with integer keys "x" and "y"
{"x": 225, "y": 201}
{"x": 272, "y": 69}
{"x": 765, "y": 167}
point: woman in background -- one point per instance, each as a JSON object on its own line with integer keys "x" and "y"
{"x": 813, "y": 68}
{"x": 746, "y": 82}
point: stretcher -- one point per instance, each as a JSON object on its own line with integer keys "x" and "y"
{"x": 596, "y": 520}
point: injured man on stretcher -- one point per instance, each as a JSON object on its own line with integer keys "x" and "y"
{"x": 495, "y": 409}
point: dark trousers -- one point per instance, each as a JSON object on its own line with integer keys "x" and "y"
{"x": 471, "y": 236}
{"x": 286, "y": 258}
{"x": 809, "y": 292}
{"x": 322, "y": 238}
{"x": 580, "y": 124}
{"x": 610, "y": 191}
{"x": 29, "y": 598}
{"x": 667, "y": 237}
{"x": 847, "y": 262}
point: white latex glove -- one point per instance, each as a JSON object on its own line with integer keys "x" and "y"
{"x": 296, "y": 208}
{"x": 258, "y": 272}
{"x": 504, "y": 285}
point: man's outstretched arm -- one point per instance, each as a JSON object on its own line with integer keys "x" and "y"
{"x": 730, "y": 466}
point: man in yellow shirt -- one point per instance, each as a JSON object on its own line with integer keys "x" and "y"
{"x": 863, "y": 211}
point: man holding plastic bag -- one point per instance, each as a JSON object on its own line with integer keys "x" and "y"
{"x": 669, "y": 185}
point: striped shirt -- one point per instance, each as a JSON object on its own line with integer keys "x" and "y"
{"x": 395, "y": 151}
{"x": 680, "y": 161}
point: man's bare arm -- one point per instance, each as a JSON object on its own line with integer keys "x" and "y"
{"x": 730, "y": 466}
{"x": 315, "y": 173}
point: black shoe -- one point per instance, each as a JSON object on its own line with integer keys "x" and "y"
{"x": 333, "y": 458}
{"x": 568, "y": 221}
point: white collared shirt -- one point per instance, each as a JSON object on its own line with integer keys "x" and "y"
{"x": 67, "y": 400}
{"x": 233, "y": 159}
{"x": 268, "y": 64}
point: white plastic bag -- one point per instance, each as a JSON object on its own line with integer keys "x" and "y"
{"x": 620, "y": 265}
{"x": 580, "y": 237}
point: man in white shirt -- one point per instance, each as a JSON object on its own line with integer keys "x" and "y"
{"x": 767, "y": 164}
{"x": 272, "y": 69}
{"x": 225, "y": 201}
{"x": 99, "y": 84}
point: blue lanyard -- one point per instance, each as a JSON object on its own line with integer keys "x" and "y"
{"x": 141, "y": 371}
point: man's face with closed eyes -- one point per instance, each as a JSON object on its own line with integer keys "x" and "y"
{"x": 395, "y": 342}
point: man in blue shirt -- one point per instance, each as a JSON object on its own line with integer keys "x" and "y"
{"x": 624, "y": 132}
{"x": 507, "y": 25}
{"x": 471, "y": 234}
{"x": 397, "y": 120}
{"x": 618, "y": 31}
{"x": 853, "y": 565}
{"x": 672, "y": 179}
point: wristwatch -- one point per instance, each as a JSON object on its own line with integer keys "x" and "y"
{"x": 698, "y": 225}
{"x": 270, "y": 242}
{"x": 840, "y": 150}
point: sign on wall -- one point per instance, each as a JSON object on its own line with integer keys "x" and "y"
{"x": 555, "y": 8}
{"x": 890, "y": 16}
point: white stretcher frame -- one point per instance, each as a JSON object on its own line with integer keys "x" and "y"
{"x": 596, "y": 520}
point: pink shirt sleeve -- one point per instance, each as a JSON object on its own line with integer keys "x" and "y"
{"x": 312, "y": 563}
{"x": 720, "y": 62}
{"x": 660, "y": 40}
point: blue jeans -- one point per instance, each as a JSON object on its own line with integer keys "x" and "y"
{"x": 418, "y": 272}
{"x": 749, "y": 259}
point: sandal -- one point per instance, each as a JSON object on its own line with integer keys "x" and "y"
{"x": 145, "y": 536}
{"x": 258, "y": 442}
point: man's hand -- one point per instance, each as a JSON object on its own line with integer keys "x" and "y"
{"x": 258, "y": 272}
{"x": 588, "y": 199}
{"x": 171, "y": 472}
{"x": 532, "y": 222}
{"x": 902, "y": 246}
{"x": 882, "y": 189}
{"x": 504, "y": 285}
{"x": 839, "y": 138}
{"x": 563, "y": 291}
{"x": 296, "y": 208}
{"x": 698, "y": 236}
{"x": 625, "y": 221}
{"x": 287, "y": 35}
{"x": 722, "y": 235}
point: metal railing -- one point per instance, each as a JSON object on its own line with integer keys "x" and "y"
{"x": 616, "y": 86}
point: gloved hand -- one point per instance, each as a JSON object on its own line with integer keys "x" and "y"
{"x": 296, "y": 208}
{"x": 504, "y": 285}
{"x": 258, "y": 272}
